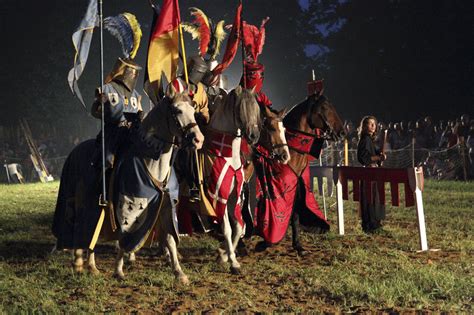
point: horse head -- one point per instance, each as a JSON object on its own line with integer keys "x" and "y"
{"x": 316, "y": 112}
{"x": 246, "y": 113}
{"x": 323, "y": 115}
{"x": 174, "y": 118}
{"x": 182, "y": 111}
{"x": 272, "y": 137}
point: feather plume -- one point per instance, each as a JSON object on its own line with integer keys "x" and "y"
{"x": 254, "y": 39}
{"x": 202, "y": 23}
{"x": 191, "y": 29}
{"x": 137, "y": 33}
{"x": 219, "y": 35}
{"x": 126, "y": 29}
{"x": 261, "y": 38}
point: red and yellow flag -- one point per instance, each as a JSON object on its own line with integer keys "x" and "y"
{"x": 163, "y": 55}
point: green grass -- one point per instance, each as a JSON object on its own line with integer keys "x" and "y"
{"x": 350, "y": 273}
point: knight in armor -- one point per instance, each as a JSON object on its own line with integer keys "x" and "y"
{"x": 253, "y": 76}
{"x": 215, "y": 87}
{"x": 210, "y": 35}
{"x": 186, "y": 166}
{"x": 122, "y": 108}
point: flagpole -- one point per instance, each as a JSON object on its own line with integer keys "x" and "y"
{"x": 183, "y": 50}
{"x": 243, "y": 45}
{"x": 103, "y": 200}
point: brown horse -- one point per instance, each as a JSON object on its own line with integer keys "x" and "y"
{"x": 307, "y": 125}
{"x": 273, "y": 144}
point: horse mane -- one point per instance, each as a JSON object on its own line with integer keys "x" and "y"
{"x": 243, "y": 103}
{"x": 157, "y": 113}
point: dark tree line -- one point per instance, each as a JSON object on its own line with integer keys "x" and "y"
{"x": 396, "y": 58}
{"x": 390, "y": 58}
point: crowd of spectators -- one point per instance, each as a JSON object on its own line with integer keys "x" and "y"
{"x": 425, "y": 133}
{"x": 422, "y": 134}
{"x": 427, "y": 138}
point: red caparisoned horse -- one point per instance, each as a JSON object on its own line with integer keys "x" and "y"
{"x": 272, "y": 145}
{"x": 283, "y": 190}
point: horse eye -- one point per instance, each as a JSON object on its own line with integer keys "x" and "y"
{"x": 178, "y": 111}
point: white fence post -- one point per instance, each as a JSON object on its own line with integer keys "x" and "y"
{"x": 415, "y": 179}
{"x": 340, "y": 208}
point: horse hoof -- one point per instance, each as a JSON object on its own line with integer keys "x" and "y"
{"x": 222, "y": 257}
{"x": 78, "y": 269}
{"x": 261, "y": 246}
{"x": 183, "y": 280}
{"x": 94, "y": 271}
{"x": 132, "y": 258}
{"x": 303, "y": 253}
{"x": 242, "y": 251}
{"x": 300, "y": 250}
{"x": 119, "y": 276}
{"x": 235, "y": 270}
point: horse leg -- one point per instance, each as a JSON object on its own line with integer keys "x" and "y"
{"x": 295, "y": 235}
{"x": 227, "y": 230}
{"x": 78, "y": 261}
{"x": 91, "y": 263}
{"x": 237, "y": 231}
{"x": 173, "y": 251}
{"x": 132, "y": 258}
{"x": 119, "y": 265}
{"x": 222, "y": 256}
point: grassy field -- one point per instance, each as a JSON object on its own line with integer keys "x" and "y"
{"x": 352, "y": 273}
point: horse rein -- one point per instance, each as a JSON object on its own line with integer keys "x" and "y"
{"x": 183, "y": 129}
{"x": 328, "y": 132}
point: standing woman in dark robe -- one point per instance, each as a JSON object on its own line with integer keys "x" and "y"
{"x": 372, "y": 212}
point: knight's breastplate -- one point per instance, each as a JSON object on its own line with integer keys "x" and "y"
{"x": 120, "y": 103}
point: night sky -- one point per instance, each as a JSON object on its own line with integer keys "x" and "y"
{"x": 395, "y": 59}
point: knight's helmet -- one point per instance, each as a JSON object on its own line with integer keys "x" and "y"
{"x": 254, "y": 40}
{"x": 210, "y": 36}
{"x": 197, "y": 68}
{"x": 211, "y": 79}
{"x": 126, "y": 72}
{"x": 254, "y": 75}
{"x": 126, "y": 29}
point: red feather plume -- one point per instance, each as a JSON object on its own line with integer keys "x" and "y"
{"x": 254, "y": 39}
{"x": 202, "y": 21}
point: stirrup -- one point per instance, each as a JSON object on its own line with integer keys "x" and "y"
{"x": 194, "y": 195}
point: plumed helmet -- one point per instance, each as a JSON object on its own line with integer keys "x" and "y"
{"x": 254, "y": 75}
{"x": 197, "y": 68}
{"x": 124, "y": 71}
{"x": 209, "y": 78}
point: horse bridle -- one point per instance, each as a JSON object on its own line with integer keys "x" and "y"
{"x": 183, "y": 129}
{"x": 275, "y": 146}
{"x": 328, "y": 131}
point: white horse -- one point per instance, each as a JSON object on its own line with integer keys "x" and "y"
{"x": 77, "y": 215}
{"x": 238, "y": 117}
{"x": 179, "y": 120}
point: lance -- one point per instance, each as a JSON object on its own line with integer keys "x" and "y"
{"x": 102, "y": 120}
{"x": 103, "y": 198}
{"x": 183, "y": 50}
{"x": 185, "y": 68}
{"x": 243, "y": 45}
